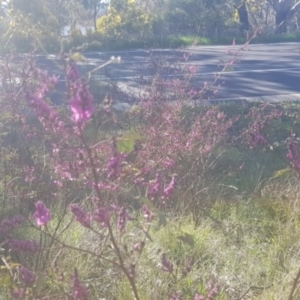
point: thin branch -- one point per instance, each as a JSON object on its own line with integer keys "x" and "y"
{"x": 296, "y": 280}
{"x": 295, "y": 6}
{"x": 254, "y": 288}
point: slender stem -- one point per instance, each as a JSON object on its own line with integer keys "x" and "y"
{"x": 39, "y": 254}
{"x": 113, "y": 240}
{"x": 122, "y": 265}
{"x": 80, "y": 249}
{"x": 296, "y": 280}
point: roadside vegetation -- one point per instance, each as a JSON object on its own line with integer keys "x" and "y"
{"x": 52, "y": 26}
{"x": 167, "y": 200}
{"x": 175, "y": 198}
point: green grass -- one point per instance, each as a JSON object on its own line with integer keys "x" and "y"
{"x": 184, "y": 41}
{"x": 95, "y": 43}
{"x": 241, "y": 227}
{"x": 243, "y": 244}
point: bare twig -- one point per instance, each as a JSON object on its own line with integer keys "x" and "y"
{"x": 254, "y": 288}
{"x": 296, "y": 281}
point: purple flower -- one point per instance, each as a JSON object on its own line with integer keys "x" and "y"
{"x": 101, "y": 216}
{"x": 23, "y": 245}
{"x": 81, "y": 216}
{"x": 6, "y": 225}
{"x": 199, "y": 297}
{"x": 42, "y": 214}
{"x": 72, "y": 71}
{"x": 18, "y": 293}
{"x": 154, "y": 186}
{"x": 131, "y": 271}
{"x": 213, "y": 291}
{"x": 81, "y": 99}
{"x": 293, "y": 156}
{"x": 79, "y": 290}
{"x": 27, "y": 276}
{"x": 260, "y": 140}
{"x": 114, "y": 166}
{"x": 139, "y": 246}
{"x": 169, "y": 190}
{"x": 147, "y": 213}
{"x": 81, "y": 107}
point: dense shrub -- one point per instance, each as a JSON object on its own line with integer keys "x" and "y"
{"x": 70, "y": 187}
{"x": 129, "y": 23}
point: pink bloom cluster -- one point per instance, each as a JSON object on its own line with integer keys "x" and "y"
{"x": 212, "y": 293}
{"x": 114, "y": 165}
{"x": 23, "y": 245}
{"x": 81, "y": 216}
{"x": 42, "y": 214}
{"x": 27, "y": 276}
{"x": 293, "y": 156}
{"x": 79, "y": 290}
{"x": 47, "y": 114}
{"x": 18, "y": 293}
{"x": 6, "y": 225}
{"x": 147, "y": 214}
{"x": 169, "y": 190}
{"x": 37, "y": 93}
{"x": 154, "y": 187}
{"x": 101, "y": 215}
{"x": 258, "y": 139}
{"x": 156, "y": 191}
{"x": 81, "y": 99}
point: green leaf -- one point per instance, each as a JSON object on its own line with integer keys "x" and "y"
{"x": 187, "y": 239}
{"x": 78, "y": 57}
{"x": 283, "y": 173}
{"x": 162, "y": 220}
{"x": 148, "y": 235}
{"x": 126, "y": 143}
{"x": 40, "y": 282}
{"x": 228, "y": 69}
{"x": 147, "y": 202}
{"x": 5, "y": 280}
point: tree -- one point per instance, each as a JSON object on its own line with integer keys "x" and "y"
{"x": 200, "y": 17}
{"x": 125, "y": 20}
{"x": 243, "y": 17}
{"x": 70, "y": 11}
{"x": 95, "y": 6}
{"x": 284, "y": 11}
{"x": 32, "y": 20}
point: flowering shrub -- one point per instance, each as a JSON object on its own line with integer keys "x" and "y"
{"x": 98, "y": 174}
{"x": 115, "y": 188}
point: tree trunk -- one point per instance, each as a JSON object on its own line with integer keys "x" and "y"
{"x": 95, "y": 18}
{"x": 281, "y": 19}
{"x": 283, "y": 13}
{"x": 243, "y": 17}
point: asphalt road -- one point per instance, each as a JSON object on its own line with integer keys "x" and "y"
{"x": 271, "y": 71}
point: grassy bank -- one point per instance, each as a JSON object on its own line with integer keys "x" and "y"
{"x": 162, "y": 202}
{"x": 174, "y": 42}
{"x": 248, "y": 247}
{"x": 96, "y": 43}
